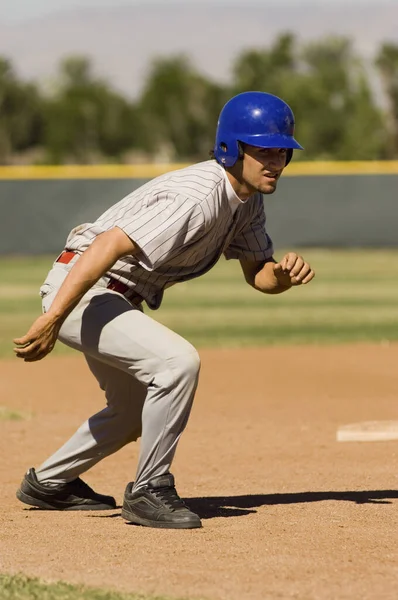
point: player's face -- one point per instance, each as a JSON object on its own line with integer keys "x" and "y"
{"x": 262, "y": 167}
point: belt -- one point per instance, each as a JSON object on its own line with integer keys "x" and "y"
{"x": 113, "y": 284}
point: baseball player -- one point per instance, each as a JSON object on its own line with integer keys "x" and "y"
{"x": 174, "y": 228}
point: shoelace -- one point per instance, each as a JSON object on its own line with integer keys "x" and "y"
{"x": 169, "y": 496}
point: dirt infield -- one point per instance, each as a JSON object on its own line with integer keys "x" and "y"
{"x": 288, "y": 512}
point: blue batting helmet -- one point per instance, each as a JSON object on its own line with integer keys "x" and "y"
{"x": 255, "y": 118}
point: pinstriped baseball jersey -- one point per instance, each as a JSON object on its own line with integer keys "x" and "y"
{"x": 182, "y": 222}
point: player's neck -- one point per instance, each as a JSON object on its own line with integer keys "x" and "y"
{"x": 241, "y": 188}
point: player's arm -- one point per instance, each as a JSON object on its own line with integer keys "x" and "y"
{"x": 99, "y": 257}
{"x": 271, "y": 277}
{"x": 105, "y": 250}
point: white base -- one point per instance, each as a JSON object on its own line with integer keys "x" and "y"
{"x": 368, "y": 431}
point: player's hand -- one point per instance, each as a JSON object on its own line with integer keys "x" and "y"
{"x": 40, "y": 339}
{"x": 293, "y": 270}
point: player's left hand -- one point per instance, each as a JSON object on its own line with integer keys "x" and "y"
{"x": 293, "y": 270}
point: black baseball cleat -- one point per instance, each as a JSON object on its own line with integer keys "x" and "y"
{"x": 158, "y": 505}
{"x": 74, "y": 495}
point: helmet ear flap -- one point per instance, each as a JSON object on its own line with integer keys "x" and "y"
{"x": 227, "y": 152}
{"x": 289, "y": 155}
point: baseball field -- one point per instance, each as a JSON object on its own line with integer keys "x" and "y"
{"x": 289, "y": 512}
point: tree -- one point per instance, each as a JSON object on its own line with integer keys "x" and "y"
{"x": 21, "y": 116}
{"x": 179, "y": 108}
{"x": 86, "y": 119}
{"x": 387, "y": 63}
{"x": 343, "y": 121}
{"x": 267, "y": 70}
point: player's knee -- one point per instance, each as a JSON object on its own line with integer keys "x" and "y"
{"x": 188, "y": 366}
{"x": 180, "y": 370}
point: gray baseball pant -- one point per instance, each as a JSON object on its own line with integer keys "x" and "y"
{"x": 149, "y": 375}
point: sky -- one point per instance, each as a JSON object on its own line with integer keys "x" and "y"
{"x": 11, "y": 10}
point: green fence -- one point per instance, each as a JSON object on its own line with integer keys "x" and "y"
{"x": 318, "y": 207}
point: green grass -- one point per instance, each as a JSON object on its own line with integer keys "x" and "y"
{"x": 25, "y": 588}
{"x": 353, "y": 298}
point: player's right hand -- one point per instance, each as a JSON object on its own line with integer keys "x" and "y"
{"x": 39, "y": 340}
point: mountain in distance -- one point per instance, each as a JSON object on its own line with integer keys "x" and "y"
{"x": 122, "y": 41}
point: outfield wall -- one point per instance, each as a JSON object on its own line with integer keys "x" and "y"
{"x": 317, "y": 204}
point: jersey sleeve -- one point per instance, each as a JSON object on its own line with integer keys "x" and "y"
{"x": 162, "y": 227}
{"x": 252, "y": 240}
